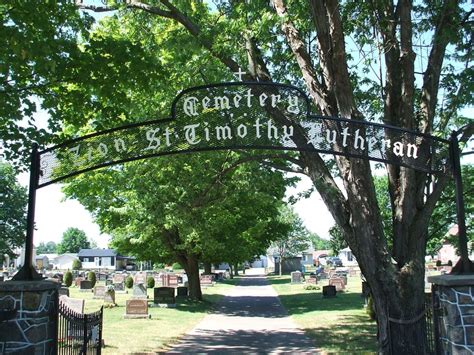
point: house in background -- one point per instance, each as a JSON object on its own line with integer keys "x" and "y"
{"x": 107, "y": 259}
{"x": 347, "y": 258}
{"x": 41, "y": 262}
{"x": 64, "y": 261}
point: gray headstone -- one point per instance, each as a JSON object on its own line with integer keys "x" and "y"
{"x": 109, "y": 297}
{"x": 139, "y": 291}
{"x": 296, "y": 277}
{"x": 119, "y": 286}
{"x": 85, "y": 285}
{"x": 63, "y": 291}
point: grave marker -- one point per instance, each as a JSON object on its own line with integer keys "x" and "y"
{"x": 75, "y": 304}
{"x": 206, "y": 280}
{"x": 109, "y": 297}
{"x": 182, "y": 291}
{"x": 99, "y": 292}
{"x": 329, "y": 291}
{"x": 296, "y": 277}
{"x": 139, "y": 279}
{"x": 85, "y": 285}
{"x": 338, "y": 283}
{"x": 136, "y": 308}
{"x": 164, "y": 296}
{"x": 139, "y": 291}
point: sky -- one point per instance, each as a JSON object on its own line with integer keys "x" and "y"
{"x": 54, "y": 214}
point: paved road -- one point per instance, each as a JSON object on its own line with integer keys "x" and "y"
{"x": 250, "y": 319}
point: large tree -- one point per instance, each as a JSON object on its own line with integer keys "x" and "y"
{"x": 13, "y": 201}
{"x": 74, "y": 239}
{"x": 401, "y": 59}
{"x": 305, "y": 42}
{"x": 192, "y": 208}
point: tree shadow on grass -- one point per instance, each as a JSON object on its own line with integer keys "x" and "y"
{"x": 301, "y": 303}
{"x": 352, "y": 333}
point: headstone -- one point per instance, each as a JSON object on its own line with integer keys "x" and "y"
{"x": 323, "y": 275}
{"x": 118, "y": 278}
{"x": 139, "y": 279}
{"x": 157, "y": 280}
{"x": 329, "y": 291}
{"x": 182, "y": 291}
{"x": 206, "y": 280}
{"x": 164, "y": 280}
{"x": 102, "y": 277}
{"x": 164, "y": 296}
{"x": 119, "y": 286}
{"x": 99, "y": 292}
{"x": 139, "y": 291}
{"x": 338, "y": 283}
{"x": 136, "y": 308}
{"x": 108, "y": 282}
{"x": 63, "y": 291}
{"x": 75, "y": 304}
{"x": 296, "y": 277}
{"x": 109, "y": 297}
{"x": 85, "y": 285}
{"x": 173, "y": 280}
{"x": 77, "y": 281}
{"x": 312, "y": 280}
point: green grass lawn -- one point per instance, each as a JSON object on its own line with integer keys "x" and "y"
{"x": 337, "y": 325}
{"x": 149, "y": 335}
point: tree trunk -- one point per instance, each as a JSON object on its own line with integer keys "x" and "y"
{"x": 280, "y": 266}
{"x": 207, "y": 268}
{"x": 231, "y": 271}
{"x": 191, "y": 266}
{"x": 236, "y": 270}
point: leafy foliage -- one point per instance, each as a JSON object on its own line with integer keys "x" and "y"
{"x": 92, "y": 277}
{"x": 73, "y": 240}
{"x": 150, "y": 282}
{"x": 46, "y": 248}
{"x": 13, "y": 203}
{"x": 129, "y": 282}
{"x": 67, "y": 278}
{"x": 76, "y": 264}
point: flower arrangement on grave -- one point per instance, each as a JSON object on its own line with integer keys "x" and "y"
{"x": 110, "y": 296}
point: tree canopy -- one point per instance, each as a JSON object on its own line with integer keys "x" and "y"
{"x": 73, "y": 240}
{"x": 13, "y": 202}
{"x": 404, "y": 64}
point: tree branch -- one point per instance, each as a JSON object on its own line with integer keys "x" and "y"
{"x": 429, "y": 93}
{"x": 315, "y": 88}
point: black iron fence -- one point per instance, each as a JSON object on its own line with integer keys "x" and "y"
{"x": 78, "y": 333}
{"x": 427, "y": 320}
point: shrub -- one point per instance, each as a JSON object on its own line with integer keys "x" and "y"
{"x": 92, "y": 278}
{"x": 158, "y": 266}
{"x": 76, "y": 264}
{"x": 438, "y": 262}
{"x": 67, "y": 279}
{"x": 176, "y": 266}
{"x": 129, "y": 282}
{"x": 150, "y": 282}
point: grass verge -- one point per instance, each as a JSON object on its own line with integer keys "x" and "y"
{"x": 336, "y": 325}
{"x": 166, "y": 326}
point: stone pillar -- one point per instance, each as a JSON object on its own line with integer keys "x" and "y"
{"x": 455, "y": 316}
{"x": 28, "y": 317}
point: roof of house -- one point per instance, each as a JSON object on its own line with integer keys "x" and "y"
{"x": 96, "y": 252}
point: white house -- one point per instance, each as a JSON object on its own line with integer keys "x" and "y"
{"x": 64, "y": 261}
{"x": 347, "y": 258}
{"x": 107, "y": 259}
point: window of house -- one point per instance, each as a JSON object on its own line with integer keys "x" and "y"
{"x": 112, "y": 261}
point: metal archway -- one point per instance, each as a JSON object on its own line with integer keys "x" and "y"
{"x": 242, "y": 115}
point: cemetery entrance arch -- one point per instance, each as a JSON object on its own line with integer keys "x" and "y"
{"x": 242, "y": 115}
